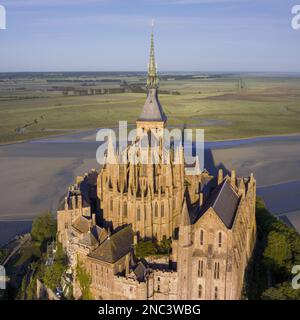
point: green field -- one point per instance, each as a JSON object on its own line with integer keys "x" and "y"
{"x": 262, "y": 105}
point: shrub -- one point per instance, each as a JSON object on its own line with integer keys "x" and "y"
{"x": 146, "y": 248}
{"x": 43, "y": 228}
{"x": 84, "y": 280}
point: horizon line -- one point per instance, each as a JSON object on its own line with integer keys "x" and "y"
{"x": 159, "y": 72}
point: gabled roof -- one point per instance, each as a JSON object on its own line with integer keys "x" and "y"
{"x": 82, "y": 224}
{"x": 224, "y": 200}
{"x": 115, "y": 246}
{"x": 88, "y": 239}
{"x": 152, "y": 110}
{"x": 140, "y": 270}
{"x": 99, "y": 233}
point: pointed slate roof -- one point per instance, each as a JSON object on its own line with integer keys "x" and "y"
{"x": 141, "y": 270}
{"x": 224, "y": 200}
{"x": 115, "y": 247}
{"x": 152, "y": 110}
{"x": 152, "y": 79}
{"x": 185, "y": 216}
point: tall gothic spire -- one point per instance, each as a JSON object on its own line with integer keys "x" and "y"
{"x": 152, "y": 79}
{"x": 152, "y": 110}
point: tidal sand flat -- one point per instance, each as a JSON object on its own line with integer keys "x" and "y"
{"x": 36, "y": 174}
{"x": 273, "y": 161}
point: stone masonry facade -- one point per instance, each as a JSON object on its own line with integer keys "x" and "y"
{"x": 209, "y": 221}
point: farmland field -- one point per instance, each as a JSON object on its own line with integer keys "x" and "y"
{"x": 36, "y": 174}
{"x": 227, "y": 106}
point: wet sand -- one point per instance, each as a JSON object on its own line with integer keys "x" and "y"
{"x": 35, "y": 175}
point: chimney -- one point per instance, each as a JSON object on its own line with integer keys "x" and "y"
{"x": 220, "y": 176}
{"x": 233, "y": 178}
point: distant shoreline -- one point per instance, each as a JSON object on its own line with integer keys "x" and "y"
{"x": 74, "y": 131}
{"x": 258, "y": 137}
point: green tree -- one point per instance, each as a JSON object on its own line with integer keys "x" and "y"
{"x": 43, "y": 228}
{"x": 84, "y": 280}
{"x": 53, "y": 273}
{"x": 146, "y": 248}
{"x": 277, "y": 252}
{"x": 164, "y": 246}
{"x": 284, "y": 291}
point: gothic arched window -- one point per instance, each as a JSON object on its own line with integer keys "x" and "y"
{"x": 200, "y": 268}
{"x": 162, "y": 210}
{"x": 125, "y": 210}
{"x": 199, "y": 291}
{"x": 201, "y": 237}
{"x": 156, "y": 210}
{"x": 217, "y": 270}
{"x": 220, "y": 239}
{"x": 216, "y": 293}
{"x": 138, "y": 214}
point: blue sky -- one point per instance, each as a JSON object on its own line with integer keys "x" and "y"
{"x": 104, "y": 35}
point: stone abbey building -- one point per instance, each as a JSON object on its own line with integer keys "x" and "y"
{"x": 209, "y": 220}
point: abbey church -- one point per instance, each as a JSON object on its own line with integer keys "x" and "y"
{"x": 208, "y": 221}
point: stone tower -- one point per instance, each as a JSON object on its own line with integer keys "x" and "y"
{"x": 147, "y": 193}
{"x": 209, "y": 220}
{"x": 152, "y": 116}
